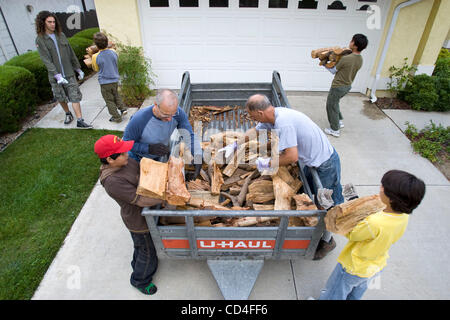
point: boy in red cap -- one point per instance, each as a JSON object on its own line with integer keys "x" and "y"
{"x": 119, "y": 175}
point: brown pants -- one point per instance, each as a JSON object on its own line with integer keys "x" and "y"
{"x": 113, "y": 100}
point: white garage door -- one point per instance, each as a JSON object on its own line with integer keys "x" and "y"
{"x": 245, "y": 40}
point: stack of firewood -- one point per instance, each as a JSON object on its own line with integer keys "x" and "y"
{"x": 228, "y": 184}
{"x": 91, "y": 50}
{"x": 329, "y": 57}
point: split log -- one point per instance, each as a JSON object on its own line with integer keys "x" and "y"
{"x": 260, "y": 191}
{"x": 314, "y": 53}
{"x": 198, "y": 184}
{"x": 303, "y": 202}
{"x": 176, "y": 192}
{"x": 294, "y": 183}
{"x": 251, "y": 221}
{"x": 263, "y": 206}
{"x": 204, "y": 204}
{"x": 342, "y": 218}
{"x": 205, "y": 195}
{"x": 153, "y": 179}
{"x": 217, "y": 179}
{"x": 283, "y": 193}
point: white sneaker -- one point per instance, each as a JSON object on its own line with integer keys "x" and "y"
{"x": 332, "y": 132}
{"x": 341, "y": 124}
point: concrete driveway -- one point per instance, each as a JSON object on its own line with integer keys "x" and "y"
{"x": 94, "y": 261}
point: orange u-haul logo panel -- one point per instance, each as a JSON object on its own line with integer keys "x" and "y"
{"x": 226, "y": 244}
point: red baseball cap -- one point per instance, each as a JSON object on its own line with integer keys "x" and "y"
{"x": 110, "y": 144}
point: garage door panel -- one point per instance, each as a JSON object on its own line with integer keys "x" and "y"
{"x": 242, "y": 44}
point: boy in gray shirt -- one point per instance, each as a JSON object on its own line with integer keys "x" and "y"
{"x": 105, "y": 62}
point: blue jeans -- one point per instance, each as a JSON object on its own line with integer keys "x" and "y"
{"x": 145, "y": 260}
{"x": 344, "y": 286}
{"x": 330, "y": 175}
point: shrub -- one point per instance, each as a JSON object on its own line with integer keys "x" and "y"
{"x": 87, "y": 33}
{"x": 442, "y": 68}
{"x": 18, "y": 96}
{"x": 443, "y": 90}
{"x": 33, "y": 63}
{"x": 135, "y": 74}
{"x": 430, "y": 141}
{"x": 421, "y": 93}
{"x": 79, "y": 45}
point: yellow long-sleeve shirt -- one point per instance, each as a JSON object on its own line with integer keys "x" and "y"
{"x": 366, "y": 252}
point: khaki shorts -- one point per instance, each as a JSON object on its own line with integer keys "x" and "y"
{"x": 66, "y": 92}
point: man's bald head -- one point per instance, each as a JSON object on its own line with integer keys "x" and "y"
{"x": 167, "y": 97}
{"x": 166, "y": 104}
{"x": 258, "y": 102}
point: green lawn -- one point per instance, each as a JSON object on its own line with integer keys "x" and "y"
{"x": 46, "y": 177}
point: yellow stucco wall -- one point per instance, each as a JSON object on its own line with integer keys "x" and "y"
{"x": 420, "y": 32}
{"x": 438, "y": 28}
{"x": 120, "y": 18}
{"x": 407, "y": 34}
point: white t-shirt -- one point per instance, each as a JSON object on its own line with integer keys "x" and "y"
{"x": 295, "y": 129}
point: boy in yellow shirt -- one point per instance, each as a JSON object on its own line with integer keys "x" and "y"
{"x": 366, "y": 253}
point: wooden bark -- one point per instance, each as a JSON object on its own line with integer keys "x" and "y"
{"x": 153, "y": 179}
{"x": 176, "y": 192}
{"x": 342, "y": 218}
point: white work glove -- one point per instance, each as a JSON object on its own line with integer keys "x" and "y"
{"x": 262, "y": 164}
{"x": 332, "y": 70}
{"x": 60, "y": 79}
{"x": 80, "y": 74}
{"x": 324, "y": 197}
{"x": 229, "y": 149}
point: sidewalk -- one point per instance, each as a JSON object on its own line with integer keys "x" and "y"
{"x": 94, "y": 261}
{"x": 93, "y": 109}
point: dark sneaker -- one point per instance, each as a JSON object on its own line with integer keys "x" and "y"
{"x": 112, "y": 119}
{"x": 83, "y": 125}
{"x": 123, "y": 112}
{"x": 324, "y": 248}
{"x": 69, "y": 118}
{"x": 149, "y": 290}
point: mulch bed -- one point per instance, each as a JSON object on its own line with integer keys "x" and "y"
{"x": 388, "y": 103}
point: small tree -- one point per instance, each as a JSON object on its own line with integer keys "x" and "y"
{"x": 135, "y": 74}
{"x": 399, "y": 78}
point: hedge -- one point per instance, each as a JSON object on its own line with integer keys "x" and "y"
{"x": 33, "y": 63}
{"x": 79, "y": 46}
{"x": 18, "y": 96}
{"x": 87, "y": 33}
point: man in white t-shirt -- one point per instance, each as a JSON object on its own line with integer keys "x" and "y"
{"x": 300, "y": 139}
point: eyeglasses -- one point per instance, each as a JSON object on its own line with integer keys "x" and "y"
{"x": 166, "y": 116}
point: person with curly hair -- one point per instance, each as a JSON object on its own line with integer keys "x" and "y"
{"x": 62, "y": 65}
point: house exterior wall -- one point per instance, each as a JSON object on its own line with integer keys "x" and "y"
{"x": 21, "y": 21}
{"x": 420, "y": 32}
{"x": 438, "y": 27}
{"x": 121, "y": 19}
